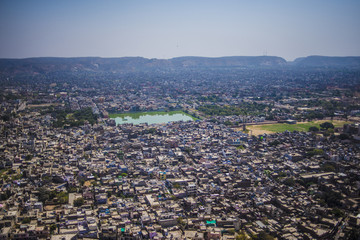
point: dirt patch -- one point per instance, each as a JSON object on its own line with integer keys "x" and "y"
{"x": 256, "y": 130}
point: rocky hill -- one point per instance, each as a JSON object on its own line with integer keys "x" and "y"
{"x": 127, "y": 64}
{"x": 323, "y": 61}
{"x": 36, "y": 66}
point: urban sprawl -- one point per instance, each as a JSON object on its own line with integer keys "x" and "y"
{"x": 67, "y": 171}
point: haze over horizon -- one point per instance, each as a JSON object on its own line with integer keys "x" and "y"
{"x": 164, "y": 29}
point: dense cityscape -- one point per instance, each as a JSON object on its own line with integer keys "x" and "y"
{"x": 68, "y": 171}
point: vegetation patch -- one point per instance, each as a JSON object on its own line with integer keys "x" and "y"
{"x": 74, "y": 119}
{"x": 301, "y": 127}
{"x": 44, "y": 195}
{"x": 242, "y": 110}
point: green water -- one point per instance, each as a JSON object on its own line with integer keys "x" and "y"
{"x": 151, "y": 117}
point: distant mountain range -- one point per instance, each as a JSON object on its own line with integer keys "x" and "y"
{"x": 130, "y": 64}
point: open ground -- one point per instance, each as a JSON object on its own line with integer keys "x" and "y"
{"x": 281, "y": 127}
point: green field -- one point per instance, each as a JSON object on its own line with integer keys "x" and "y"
{"x": 281, "y": 127}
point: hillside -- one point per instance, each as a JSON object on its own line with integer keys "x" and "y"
{"x": 36, "y": 66}
{"x": 127, "y": 64}
{"x": 323, "y": 61}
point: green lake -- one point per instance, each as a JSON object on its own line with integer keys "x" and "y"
{"x": 151, "y": 117}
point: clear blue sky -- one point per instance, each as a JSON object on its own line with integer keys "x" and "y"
{"x": 170, "y": 28}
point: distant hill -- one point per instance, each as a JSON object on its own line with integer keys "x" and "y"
{"x": 228, "y": 61}
{"x": 127, "y": 64}
{"x": 323, "y": 61}
{"x": 85, "y": 64}
{"x": 36, "y": 66}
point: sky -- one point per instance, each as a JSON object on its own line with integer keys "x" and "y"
{"x": 171, "y": 28}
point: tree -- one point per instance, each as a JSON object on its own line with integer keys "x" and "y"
{"x": 343, "y": 136}
{"x": 315, "y": 152}
{"x": 181, "y": 222}
{"x": 78, "y": 202}
{"x": 264, "y": 236}
{"x": 337, "y": 212}
{"x": 43, "y": 194}
{"x": 354, "y": 234}
{"x": 187, "y": 149}
{"x": 227, "y": 123}
{"x": 327, "y": 125}
{"x": 52, "y": 228}
{"x": 313, "y": 129}
{"x": 289, "y": 181}
{"x": 26, "y": 220}
{"x": 6, "y": 117}
{"x": 274, "y": 143}
{"x": 241, "y": 236}
{"x": 328, "y": 168}
{"x": 331, "y": 198}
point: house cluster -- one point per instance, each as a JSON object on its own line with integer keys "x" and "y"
{"x": 179, "y": 180}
